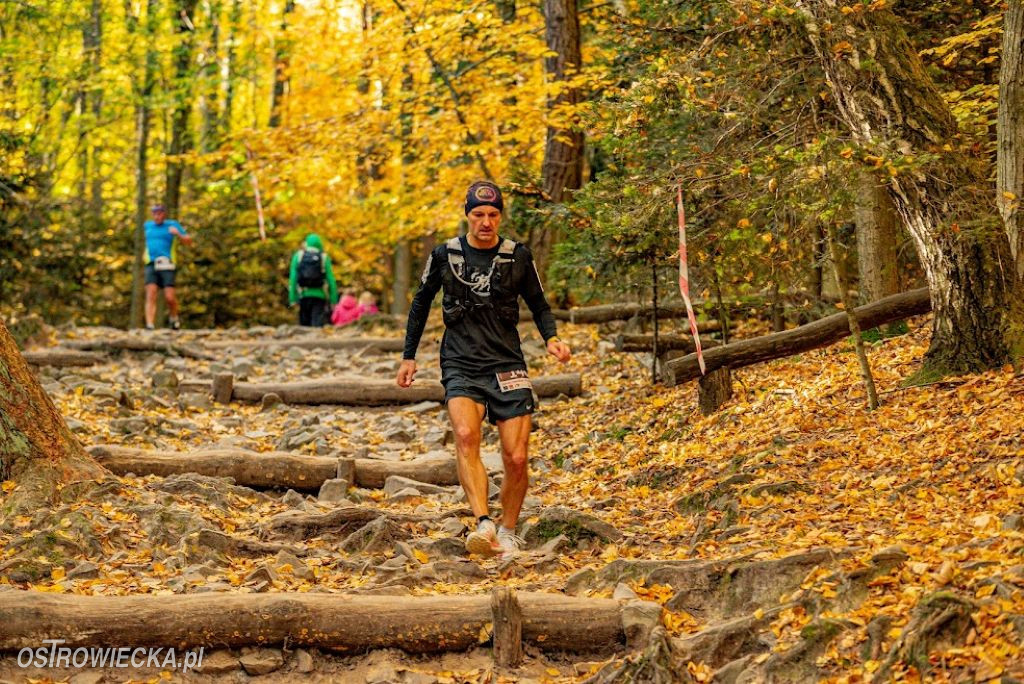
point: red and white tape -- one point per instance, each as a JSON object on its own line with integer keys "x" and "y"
{"x": 684, "y": 277}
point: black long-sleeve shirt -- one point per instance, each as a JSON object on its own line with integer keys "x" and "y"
{"x": 480, "y": 343}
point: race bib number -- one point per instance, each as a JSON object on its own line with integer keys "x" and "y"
{"x": 514, "y": 380}
{"x": 163, "y": 264}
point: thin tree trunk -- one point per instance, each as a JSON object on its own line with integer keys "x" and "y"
{"x": 142, "y": 124}
{"x": 1010, "y": 131}
{"x": 886, "y": 98}
{"x": 563, "y": 152}
{"x": 92, "y": 40}
{"x": 282, "y": 59}
{"x": 654, "y": 315}
{"x": 231, "y": 68}
{"x": 181, "y": 132}
{"x": 37, "y": 450}
{"x": 402, "y": 278}
{"x": 877, "y": 229}
{"x": 848, "y": 304}
{"x": 210, "y": 103}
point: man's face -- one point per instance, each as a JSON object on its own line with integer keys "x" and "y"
{"x": 483, "y": 224}
{"x": 159, "y": 215}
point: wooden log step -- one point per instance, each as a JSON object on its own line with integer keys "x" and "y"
{"x": 335, "y": 622}
{"x": 274, "y": 468}
{"x": 63, "y": 358}
{"x": 820, "y": 333}
{"x": 138, "y": 344}
{"x": 371, "y": 392}
{"x": 382, "y": 344}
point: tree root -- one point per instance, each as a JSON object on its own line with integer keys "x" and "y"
{"x": 656, "y": 664}
{"x": 938, "y": 619}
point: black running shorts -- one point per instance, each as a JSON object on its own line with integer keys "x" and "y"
{"x": 505, "y": 395}
{"x": 159, "y": 278}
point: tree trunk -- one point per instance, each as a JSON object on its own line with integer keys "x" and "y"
{"x": 379, "y": 344}
{"x": 645, "y": 343}
{"x": 37, "y": 450}
{"x": 797, "y": 340}
{"x": 231, "y": 69}
{"x": 402, "y": 277}
{"x": 282, "y": 58}
{"x": 181, "y": 132}
{"x": 378, "y": 392}
{"x": 893, "y": 109}
{"x": 336, "y": 622}
{"x": 851, "y": 320}
{"x": 563, "y": 152}
{"x": 877, "y": 230}
{"x": 210, "y": 103}
{"x": 1010, "y": 131}
{"x": 142, "y": 123}
{"x": 272, "y": 469}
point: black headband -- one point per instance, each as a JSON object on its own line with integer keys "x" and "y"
{"x": 484, "y": 193}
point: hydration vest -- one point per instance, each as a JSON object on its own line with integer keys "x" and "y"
{"x": 311, "y": 270}
{"x": 462, "y": 295}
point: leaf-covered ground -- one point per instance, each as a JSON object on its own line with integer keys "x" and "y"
{"x": 792, "y": 535}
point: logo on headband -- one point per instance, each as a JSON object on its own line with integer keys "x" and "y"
{"x": 486, "y": 193}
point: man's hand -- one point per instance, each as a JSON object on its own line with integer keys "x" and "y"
{"x": 558, "y": 349}
{"x": 406, "y": 373}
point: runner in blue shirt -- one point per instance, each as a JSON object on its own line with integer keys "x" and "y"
{"x": 160, "y": 267}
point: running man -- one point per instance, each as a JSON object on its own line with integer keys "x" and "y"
{"x": 482, "y": 366}
{"x": 160, "y": 267}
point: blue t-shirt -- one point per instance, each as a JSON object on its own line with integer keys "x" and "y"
{"x": 159, "y": 241}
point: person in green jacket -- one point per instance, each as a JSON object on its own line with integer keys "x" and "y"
{"x": 310, "y": 271}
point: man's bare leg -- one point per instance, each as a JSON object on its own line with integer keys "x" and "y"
{"x": 466, "y": 416}
{"x": 515, "y": 443}
{"x": 151, "y": 290}
{"x": 172, "y": 302}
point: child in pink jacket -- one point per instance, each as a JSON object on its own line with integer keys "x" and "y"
{"x": 367, "y": 304}
{"x": 346, "y": 311}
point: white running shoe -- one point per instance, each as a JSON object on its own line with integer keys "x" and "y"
{"x": 484, "y": 540}
{"x": 511, "y": 543}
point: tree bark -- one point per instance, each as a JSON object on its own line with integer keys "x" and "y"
{"x": 645, "y": 343}
{"x": 271, "y": 469}
{"x": 380, "y": 344}
{"x": 851, "y": 320}
{"x": 893, "y": 109}
{"x": 402, "y": 277}
{"x": 63, "y": 358}
{"x": 142, "y": 123}
{"x": 181, "y": 132}
{"x": 1010, "y": 131}
{"x": 231, "y": 68}
{"x": 136, "y": 344}
{"x": 377, "y": 392}
{"x": 209, "y": 107}
{"x": 820, "y": 333}
{"x": 605, "y": 313}
{"x": 507, "y": 618}
{"x": 877, "y": 229}
{"x": 562, "y": 167}
{"x": 713, "y": 390}
{"x": 37, "y": 450}
{"x": 282, "y": 60}
{"x": 336, "y": 622}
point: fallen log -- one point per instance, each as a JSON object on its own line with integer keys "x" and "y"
{"x": 382, "y": 344}
{"x": 63, "y": 358}
{"x": 137, "y": 344}
{"x": 335, "y": 622}
{"x": 645, "y": 343}
{"x": 272, "y": 469}
{"x": 371, "y": 392}
{"x": 820, "y": 333}
{"x": 605, "y": 313}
